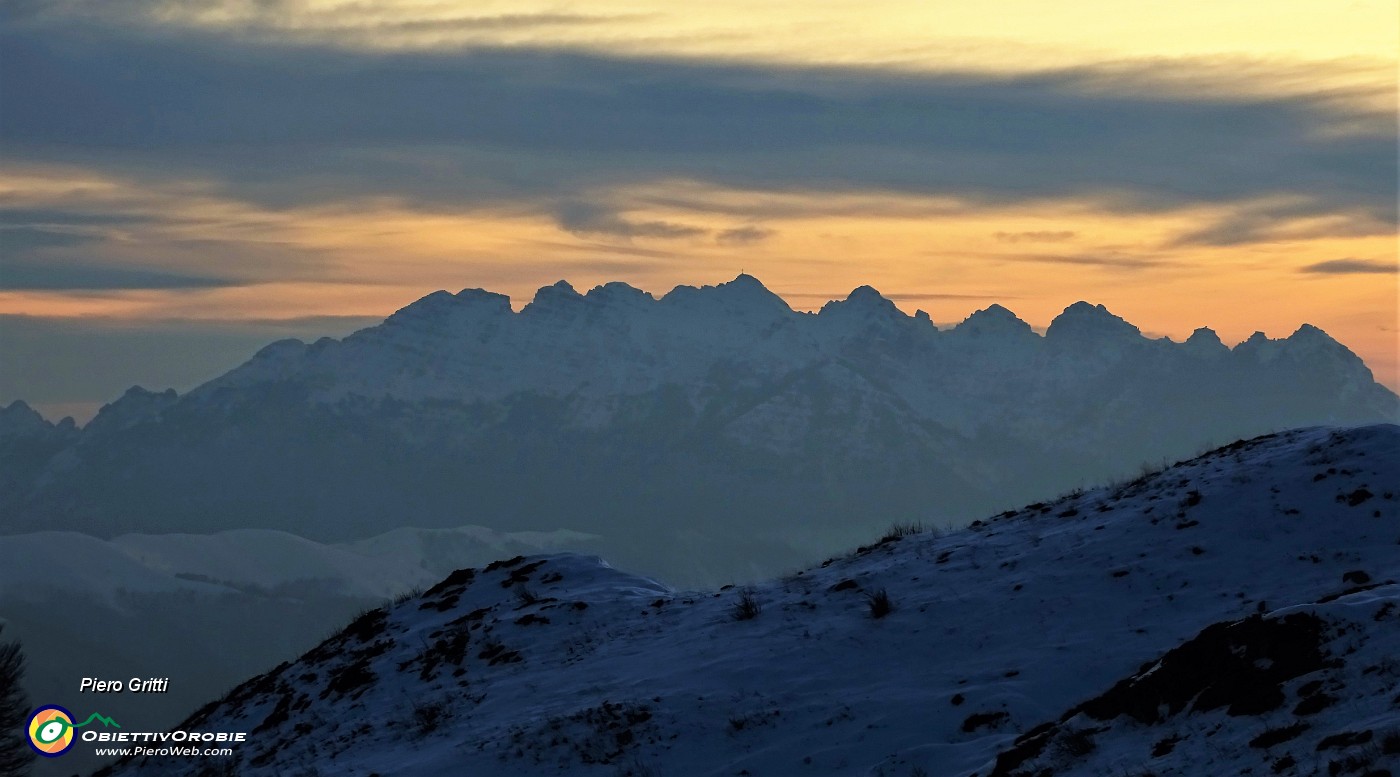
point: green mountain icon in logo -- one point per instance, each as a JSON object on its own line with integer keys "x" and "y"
{"x": 103, "y": 719}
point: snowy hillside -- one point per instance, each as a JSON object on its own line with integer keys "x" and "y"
{"x": 209, "y": 610}
{"x": 1235, "y": 612}
{"x": 711, "y": 434}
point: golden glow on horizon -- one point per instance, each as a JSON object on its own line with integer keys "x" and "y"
{"x": 938, "y": 32}
{"x": 949, "y": 257}
{"x": 936, "y": 254}
{"x": 1327, "y": 45}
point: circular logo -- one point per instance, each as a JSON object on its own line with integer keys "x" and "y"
{"x": 51, "y": 731}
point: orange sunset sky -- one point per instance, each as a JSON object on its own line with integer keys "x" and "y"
{"x": 181, "y": 182}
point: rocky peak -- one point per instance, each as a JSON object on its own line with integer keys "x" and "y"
{"x": 620, "y": 295}
{"x": 994, "y": 321}
{"x": 553, "y": 299}
{"x": 864, "y": 302}
{"x": 136, "y": 405}
{"x": 18, "y": 419}
{"x": 1205, "y": 341}
{"x": 1084, "y": 320}
{"x": 744, "y": 295}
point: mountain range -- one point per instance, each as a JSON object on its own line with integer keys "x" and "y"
{"x": 712, "y": 434}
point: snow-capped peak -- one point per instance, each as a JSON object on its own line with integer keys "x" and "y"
{"x": 862, "y": 301}
{"x": 1084, "y": 320}
{"x": 992, "y": 321}
{"x": 1310, "y": 337}
{"x": 744, "y": 295}
{"x": 618, "y": 293}
{"x": 489, "y": 299}
{"x": 556, "y": 298}
{"x": 445, "y": 310}
{"x": 863, "y": 309}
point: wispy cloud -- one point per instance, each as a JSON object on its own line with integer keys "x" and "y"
{"x": 31, "y": 276}
{"x": 67, "y": 230}
{"x": 1351, "y": 267}
{"x": 17, "y": 242}
{"x": 29, "y": 261}
{"x": 1111, "y": 261}
{"x": 1036, "y": 236}
{"x": 583, "y": 218}
{"x": 524, "y": 127}
{"x": 1288, "y": 218}
{"x": 740, "y": 236}
{"x": 298, "y": 20}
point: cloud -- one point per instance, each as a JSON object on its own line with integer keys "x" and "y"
{"x": 1296, "y": 219}
{"x": 27, "y": 263}
{"x": 587, "y": 219}
{"x": 740, "y": 236}
{"x": 22, "y": 240}
{"x": 305, "y": 125}
{"x": 151, "y": 240}
{"x": 35, "y": 276}
{"x": 1351, "y": 267}
{"x": 1112, "y": 261}
{"x": 40, "y": 218}
{"x": 499, "y": 22}
{"x": 1037, "y": 236}
{"x": 365, "y": 23}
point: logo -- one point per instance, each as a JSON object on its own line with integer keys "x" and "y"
{"x": 51, "y": 729}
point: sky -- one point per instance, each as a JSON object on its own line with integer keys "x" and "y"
{"x": 182, "y": 182}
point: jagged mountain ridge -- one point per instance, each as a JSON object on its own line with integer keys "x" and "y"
{"x": 1256, "y": 584}
{"x": 711, "y": 433}
{"x": 459, "y": 347}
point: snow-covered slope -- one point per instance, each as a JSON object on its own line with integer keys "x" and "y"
{"x": 713, "y": 433}
{"x": 1309, "y": 689}
{"x": 1069, "y": 637}
{"x": 208, "y": 610}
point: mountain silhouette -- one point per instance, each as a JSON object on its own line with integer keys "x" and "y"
{"x": 713, "y": 433}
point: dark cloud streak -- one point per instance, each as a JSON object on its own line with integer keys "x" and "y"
{"x": 1036, "y": 236}
{"x": 19, "y": 241}
{"x": 740, "y": 236}
{"x": 1109, "y": 261}
{"x": 25, "y": 275}
{"x": 300, "y": 124}
{"x": 1351, "y": 267}
{"x": 39, "y": 218}
{"x": 27, "y": 263}
{"x": 589, "y": 219}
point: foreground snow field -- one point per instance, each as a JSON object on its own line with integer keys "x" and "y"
{"x": 1235, "y": 612}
